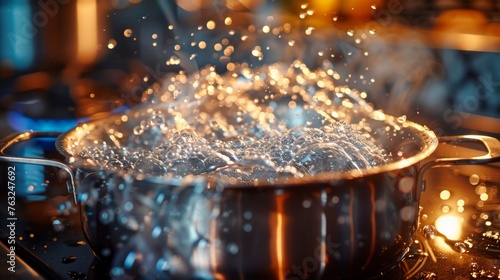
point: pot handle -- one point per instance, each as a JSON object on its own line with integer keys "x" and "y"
{"x": 24, "y": 136}
{"x": 491, "y": 144}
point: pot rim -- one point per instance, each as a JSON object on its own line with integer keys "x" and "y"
{"x": 427, "y": 136}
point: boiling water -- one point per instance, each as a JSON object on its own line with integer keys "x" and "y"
{"x": 249, "y": 125}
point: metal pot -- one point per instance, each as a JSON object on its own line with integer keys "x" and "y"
{"x": 327, "y": 226}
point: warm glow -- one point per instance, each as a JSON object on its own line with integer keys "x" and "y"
{"x": 193, "y": 5}
{"x": 279, "y": 239}
{"x": 211, "y": 25}
{"x": 325, "y": 6}
{"x": 483, "y": 196}
{"x": 450, "y": 226}
{"x": 276, "y": 222}
{"x": 86, "y": 16}
{"x": 445, "y": 195}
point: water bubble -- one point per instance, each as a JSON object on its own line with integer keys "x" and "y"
{"x": 216, "y": 161}
{"x": 174, "y": 60}
{"x": 117, "y": 272}
{"x": 150, "y": 166}
{"x": 112, "y": 44}
{"x": 407, "y": 213}
{"x": 114, "y": 164}
{"x": 323, "y": 157}
{"x": 306, "y": 204}
{"x": 66, "y": 208}
{"x": 127, "y": 32}
{"x": 474, "y": 179}
{"x": 247, "y": 227}
{"x": 232, "y": 248}
{"x": 445, "y": 194}
{"x": 247, "y": 215}
{"x": 106, "y": 252}
{"x": 106, "y": 216}
{"x": 138, "y": 130}
{"x": 429, "y": 231}
{"x": 406, "y": 184}
{"x": 58, "y": 225}
{"x": 460, "y": 247}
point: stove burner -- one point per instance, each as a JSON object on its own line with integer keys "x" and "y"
{"x": 20, "y": 122}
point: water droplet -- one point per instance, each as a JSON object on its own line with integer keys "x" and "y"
{"x": 68, "y": 259}
{"x": 232, "y": 248}
{"x": 445, "y": 194}
{"x": 460, "y": 247}
{"x": 117, "y": 272}
{"x": 247, "y": 227}
{"x": 306, "y": 204}
{"x": 58, "y": 225}
{"x": 429, "y": 231}
{"x": 402, "y": 119}
{"x": 247, "y": 215}
{"x": 350, "y": 32}
{"x": 106, "y": 216}
{"x": 406, "y": 184}
{"x": 127, "y": 32}
{"x": 112, "y": 44}
{"x": 138, "y": 130}
{"x": 474, "y": 179}
{"x": 106, "y": 252}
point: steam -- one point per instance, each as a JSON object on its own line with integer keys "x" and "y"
{"x": 393, "y": 69}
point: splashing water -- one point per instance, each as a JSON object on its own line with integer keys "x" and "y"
{"x": 249, "y": 125}
{"x": 429, "y": 231}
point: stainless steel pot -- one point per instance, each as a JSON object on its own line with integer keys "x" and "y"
{"x": 327, "y": 226}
